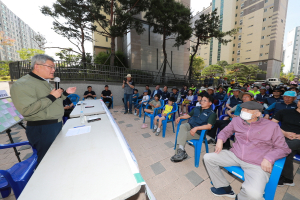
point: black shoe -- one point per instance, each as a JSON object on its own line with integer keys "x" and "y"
{"x": 211, "y": 141}
{"x": 284, "y": 181}
{"x": 223, "y": 191}
{"x": 130, "y": 112}
{"x": 180, "y": 156}
{"x": 125, "y": 112}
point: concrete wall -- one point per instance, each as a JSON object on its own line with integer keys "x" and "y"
{"x": 115, "y": 88}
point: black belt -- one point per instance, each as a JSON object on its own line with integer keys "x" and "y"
{"x": 42, "y": 122}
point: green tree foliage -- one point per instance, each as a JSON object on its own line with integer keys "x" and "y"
{"x": 4, "y": 68}
{"x": 66, "y": 55}
{"x": 27, "y": 54}
{"x": 72, "y": 21}
{"x": 122, "y": 17}
{"x": 243, "y": 73}
{"x": 198, "y": 66}
{"x": 286, "y": 77}
{"x": 222, "y": 63}
{"x": 206, "y": 28}
{"x": 212, "y": 70}
{"x": 171, "y": 19}
{"x": 102, "y": 57}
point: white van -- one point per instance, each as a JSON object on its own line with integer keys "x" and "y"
{"x": 274, "y": 81}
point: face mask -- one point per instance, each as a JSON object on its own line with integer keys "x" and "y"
{"x": 245, "y": 115}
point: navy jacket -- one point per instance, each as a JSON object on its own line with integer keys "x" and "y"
{"x": 272, "y": 100}
{"x": 234, "y": 101}
{"x": 261, "y": 98}
{"x": 158, "y": 92}
{"x": 279, "y": 106}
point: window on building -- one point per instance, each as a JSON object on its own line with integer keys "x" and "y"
{"x": 250, "y": 26}
{"x": 260, "y": 63}
{"x": 235, "y": 22}
{"x": 236, "y": 7}
{"x": 262, "y": 37}
{"x": 239, "y": 45}
{"x": 248, "y": 58}
{"x": 266, "y": 1}
{"x": 262, "y": 46}
{"x": 264, "y": 19}
{"x": 263, "y": 28}
{"x": 242, "y": 5}
{"x": 260, "y": 54}
{"x": 106, "y": 39}
{"x": 241, "y": 22}
{"x": 232, "y": 59}
{"x": 233, "y": 52}
{"x": 238, "y": 60}
{"x": 240, "y": 30}
{"x": 238, "y": 52}
{"x": 233, "y": 45}
{"x": 266, "y": 53}
{"x": 282, "y": 21}
{"x": 251, "y": 17}
{"x": 240, "y": 37}
{"x": 242, "y": 13}
{"x": 235, "y": 15}
{"x": 250, "y": 34}
{"x": 249, "y": 42}
{"x": 265, "y": 10}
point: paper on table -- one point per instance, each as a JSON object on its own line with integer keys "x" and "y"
{"x": 91, "y": 118}
{"x": 78, "y": 131}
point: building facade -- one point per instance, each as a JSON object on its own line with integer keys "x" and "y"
{"x": 16, "y": 29}
{"x": 259, "y": 39}
{"x": 292, "y": 52}
{"x": 145, "y": 51}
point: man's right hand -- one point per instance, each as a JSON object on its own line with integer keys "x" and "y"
{"x": 56, "y": 93}
{"x": 219, "y": 146}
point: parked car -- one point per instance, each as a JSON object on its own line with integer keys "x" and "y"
{"x": 274, "y": 81}
{"x": 260, "y": 82}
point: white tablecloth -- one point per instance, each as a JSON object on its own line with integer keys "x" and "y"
{"x": 97, "y": 109}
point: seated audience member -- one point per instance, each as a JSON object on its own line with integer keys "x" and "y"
{"x": 221, "y": 95}
{"x": 199, "y": 99}
{"x": 156, "y": 91}
{"x": 193, "y": 88}
{"x": 295, "y": 81}
{"x": 221, "y": 124}
{"x": 160, "y": 117}
{"x": 89, "y": 94}
{"x": 184, "y": 91}
{"x": 234, "y": 100}
{"x": 290, "y": 127}
{"x": 243, "y": 89}
{"x": 220, "y": 81}
{"x": 261, "y": 98}
{"x": 155, "y": 103}
{"x": 68, "y": 107}
{"x": 211, "y": 81}
{"x": 165, "y": 94}
{"x": 176, "y": 94}
{"x": 187, "y": 101}
{"x": 202, "y": 90}
{"x": 255, "y": 91}
{"x": 210, "y": 91}
{"x": 288, "y": 103}
{"x": 106, "y": 95}
{"x": 144, "y": 100}
{"x": 201, "y": 118}
{"x": 148, "y": 90}
{"x": 230, "y": 90}
{"x": 135, "y": 95}
{"x": 255, "y": 154}
{"x": 275, "y": 98}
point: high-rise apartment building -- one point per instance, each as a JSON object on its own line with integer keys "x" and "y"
{"x": 292, "y": 52}
{"x": 145, "y": 51}
{"x": 259, "y": 39}
{"x": 16, "y": 29}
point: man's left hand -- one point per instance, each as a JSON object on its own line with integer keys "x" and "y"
{"x": 193, "y": 131}
{"x": 71, "y": 90}
{"x": 266, "y": 165}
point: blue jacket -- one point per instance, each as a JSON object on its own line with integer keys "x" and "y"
{"x": 272, "y": 100}
{"x": 158, "y": 92}
{"x": 165, "y": 95}
{"x": 234, "y": 101}
{"x": 200, "y": 119}
{"x": 221, "y": 96}
{"x": 279, "y": 106}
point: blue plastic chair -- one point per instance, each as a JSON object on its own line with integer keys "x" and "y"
{"x": 84, "y": 98}
{"x": 297, "y": 157}
{"x": 194, "y": 100}
{"x": 172, "y": 119}
{"x": 112, "y": 103}
{"x": 224, "y": 109}
{"x": 219, "y": 107}
{"x": 273, "y": 181}
{"x": 181, "y": 100}
{"x": 155, "y": 112}
{"x": 143, "y": 106}
{"x": 74, "y": 98}
{"x": 192, "y": 107}
{"x": 196, "y": 143}
{"x": 18, "y": 175}
{"x": 65, "y": 119}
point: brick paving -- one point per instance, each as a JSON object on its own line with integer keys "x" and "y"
{"x": 167, "y": 180}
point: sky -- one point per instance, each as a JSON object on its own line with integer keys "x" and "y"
{"x": 29, "y": 12}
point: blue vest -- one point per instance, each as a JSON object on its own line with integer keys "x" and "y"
{"x": 282, "y": 105}
{"x": 220, "y": 96}
{"x": 174, "y": 95}
{"x": 165, "y": 95}
{"x": 200, "y": 119}
{"x": 234, "y": 101}
{"x": 272, "y": 100}
{"x": 261, "y": 98}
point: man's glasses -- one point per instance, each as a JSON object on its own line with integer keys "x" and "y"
{"x": 52, "y": 67}
{"x": 205, "y": 101}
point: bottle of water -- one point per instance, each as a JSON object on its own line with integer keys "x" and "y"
{"x": 82, "y": 118}
{"x": 81, "y": 105}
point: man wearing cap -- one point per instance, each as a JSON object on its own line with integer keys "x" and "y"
{"x": 106, "y": 95}
{"x": 275, "y": 98}
{"x": 128, "y": 86}
{"x": 258, "y": 144}
{"x": 290, "y": 127}
{"x": 243, "y": 89}
{"x": 261, "y": 98}
{"x": 175, "y": 94}
{"x": 221, "y": 95}
{"x": 288, "y": 103}
{"x": 234, "y": 100}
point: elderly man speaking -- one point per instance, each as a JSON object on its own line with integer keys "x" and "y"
{"x": 40, "y": 103}
{"x": 259, "y": 143}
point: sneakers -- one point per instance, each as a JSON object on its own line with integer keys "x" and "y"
{"x": 223, "y": 191}
{"x": 125, "y": 112}
{"x": 130, "y": 112}
{"x": 211, "y": 141}
{"x": 284, "y": 181}
{"x": 135, "y": 114}
{"x": 158, "y": 132}
{"x": 180, "y": 156}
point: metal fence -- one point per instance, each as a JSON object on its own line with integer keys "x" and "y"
{"x": 77, "y": 71}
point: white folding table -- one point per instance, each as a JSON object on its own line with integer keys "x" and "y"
{"x": 97, "y": 109}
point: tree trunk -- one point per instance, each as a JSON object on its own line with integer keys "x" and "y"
{"x": 192, "y": 60}
{"x": 113, "y": 51}
{"x": 165, "y": 57}
{"x": 83, "y": 58}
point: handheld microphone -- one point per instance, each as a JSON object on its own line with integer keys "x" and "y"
{"x": 56, "y": 81}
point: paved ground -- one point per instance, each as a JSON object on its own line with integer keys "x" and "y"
{"x": 166, "y": 180}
